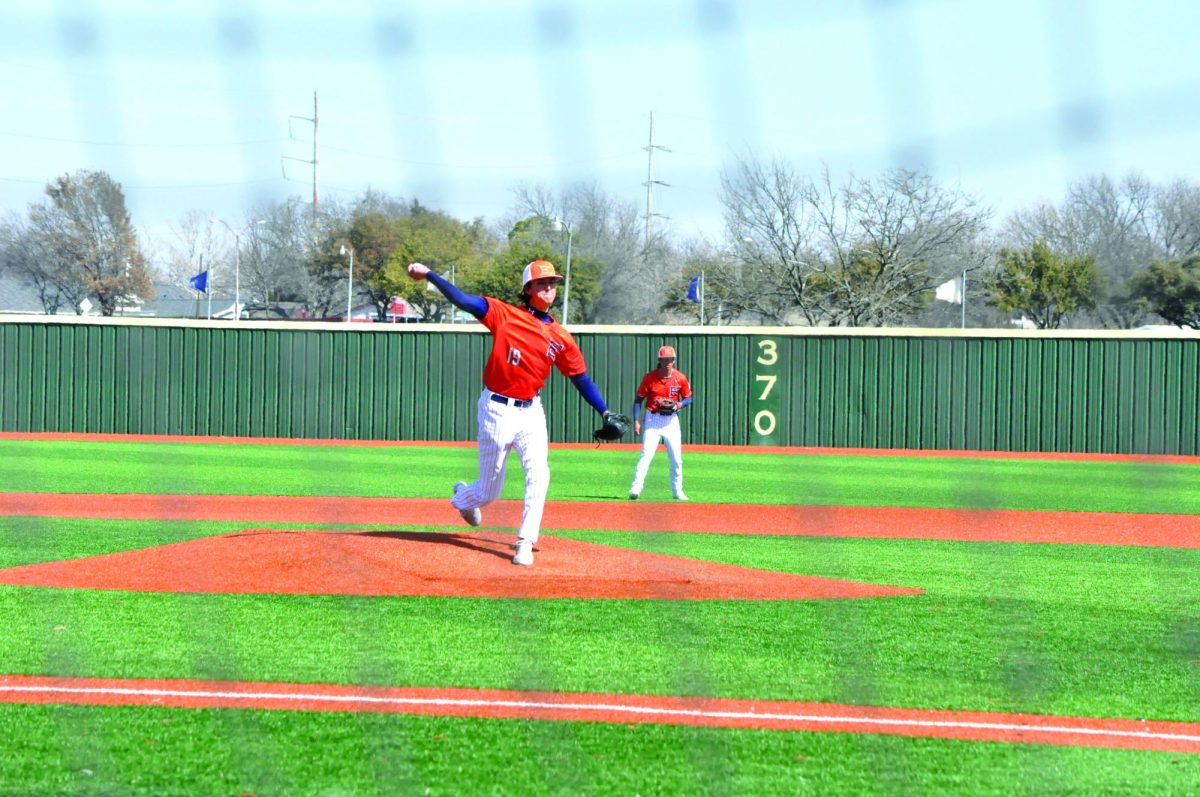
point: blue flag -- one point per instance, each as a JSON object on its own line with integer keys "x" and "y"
{"x": 199, "y": 282}
{"x": 694, "y": 289}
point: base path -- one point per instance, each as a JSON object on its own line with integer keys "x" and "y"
{"x": 1177, "y": 737}
{"x": 971, "y": 525}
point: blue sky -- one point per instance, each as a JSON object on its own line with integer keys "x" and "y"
{"x": 455, "y": 102}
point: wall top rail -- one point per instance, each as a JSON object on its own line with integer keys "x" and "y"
{"x": 586, "y": 329}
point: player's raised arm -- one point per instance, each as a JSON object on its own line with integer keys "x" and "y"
{"x": 475, "y": 305}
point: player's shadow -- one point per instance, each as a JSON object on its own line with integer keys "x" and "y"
{"x": 500, "y": 549}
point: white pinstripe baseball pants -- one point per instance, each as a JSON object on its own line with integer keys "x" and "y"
{"x": 654, "y": 428}
{"x": 503, "y": 427}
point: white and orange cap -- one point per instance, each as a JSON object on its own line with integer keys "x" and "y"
{"x": 539, "y": 269}
{"x": 666, "y": 351}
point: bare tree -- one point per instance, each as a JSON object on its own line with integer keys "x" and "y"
{"x": 1173, "y": 220}
{"x": 23, "y": 256}
{"x": 88, "y": 242}
{"x": 279, "y": 245}
{"x": 192, "y": 247}
{"x": 868, "y": 252}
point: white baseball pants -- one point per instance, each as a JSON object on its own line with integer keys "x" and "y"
{"x": 503, "y": 427}
{"x": 654, "y": 428}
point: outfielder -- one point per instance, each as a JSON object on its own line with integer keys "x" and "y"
{"x": 665, "y": 391}
{"x": 526, "y": 342}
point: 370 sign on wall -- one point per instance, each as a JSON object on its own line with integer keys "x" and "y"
{"x": 764, "y": 392}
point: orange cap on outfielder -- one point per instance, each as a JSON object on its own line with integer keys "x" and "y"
{"x": 539, "y": 269}
{"x": 666, "y": 351}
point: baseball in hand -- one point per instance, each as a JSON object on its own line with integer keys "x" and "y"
{"x": 417, "y": 270}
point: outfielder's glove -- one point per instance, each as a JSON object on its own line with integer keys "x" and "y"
{"x": 614, "y": 428}
{"x": 667, "y": 407}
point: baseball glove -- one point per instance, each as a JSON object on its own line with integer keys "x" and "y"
{"x": 614, "y": 428}
{"x": 667, "y": 407}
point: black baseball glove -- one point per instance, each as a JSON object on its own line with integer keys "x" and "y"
{"x": 667, "y": 407}
{"x": 614, "y": 428}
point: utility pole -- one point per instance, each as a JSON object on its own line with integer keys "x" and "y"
{"x": 650, "y": 183}
{"x": 316, "y": 194}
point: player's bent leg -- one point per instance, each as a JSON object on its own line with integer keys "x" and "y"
{"x": 472, "y": 515}
{"x": 533, "y": 448}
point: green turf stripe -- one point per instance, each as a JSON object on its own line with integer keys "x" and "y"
{"x": 601, "y": 474}
{"x": 156, "y": 752}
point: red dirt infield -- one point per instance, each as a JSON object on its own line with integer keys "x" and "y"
{"x": 1178, "y": 737}
{"x": 966, "y": 525}
{"x": 403, "y": 563}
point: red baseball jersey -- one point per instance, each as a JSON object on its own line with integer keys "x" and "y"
{"x": 655, "y": 388}
{"x": 523, "y": 349}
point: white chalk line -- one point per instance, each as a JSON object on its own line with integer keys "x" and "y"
{"x": 605, "y": 708}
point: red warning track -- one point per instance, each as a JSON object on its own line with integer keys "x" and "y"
{"x": 1178, "y": 737}
{"x": 1090, "y": 528}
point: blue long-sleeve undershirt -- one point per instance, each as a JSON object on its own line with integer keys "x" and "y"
{"x": 475, "y": 305}
{"x": 591, "y": 394}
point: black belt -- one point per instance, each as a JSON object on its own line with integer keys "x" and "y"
{"x": 521, "y": 403}
{"x": 667, "y": 414}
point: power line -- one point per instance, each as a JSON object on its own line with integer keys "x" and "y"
{"x": 136, "y": 145}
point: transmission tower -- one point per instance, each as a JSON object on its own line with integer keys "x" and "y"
{"x": 315, "y": 160}
{"x": 651, "y": 182}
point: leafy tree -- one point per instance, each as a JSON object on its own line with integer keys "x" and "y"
{"x": 85, "y": 234}
{"x": 502, "y": 277}
{"x": 535, "y": 237}
{"x": 606, "y": 234}
{"x": 447, "y": 245}
{"x": 385, "y": 237}
{"x": 1046, "y": 286}
{"x": 1172, "y": 289}
{"x": 1109, "y": 221}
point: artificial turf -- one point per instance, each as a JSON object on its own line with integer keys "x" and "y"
{"x": 138, "y": 751}
{"x": 600, "y": 474}
{"x": 1055, "y": 629}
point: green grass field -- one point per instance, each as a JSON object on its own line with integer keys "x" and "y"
{"x": 1049, "y": 629}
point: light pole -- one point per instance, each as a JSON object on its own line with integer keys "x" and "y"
{"x": 559, "y": 226}
{"x": 349, "y": 279}
{"x": 237, "y": 262}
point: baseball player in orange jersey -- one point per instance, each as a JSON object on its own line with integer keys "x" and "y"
{"x": 666, "y": 391}
{"x": 526, "y": 342}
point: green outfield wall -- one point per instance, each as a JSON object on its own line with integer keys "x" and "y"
{"x": 1119, "y": 392}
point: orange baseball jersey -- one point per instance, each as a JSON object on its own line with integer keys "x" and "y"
{"x": 655, "y": 388}
{"x": 523, "y": 349}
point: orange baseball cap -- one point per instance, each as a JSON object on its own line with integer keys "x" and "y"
{"x": 666, "y": 351}
{"x": 539, "y": 269}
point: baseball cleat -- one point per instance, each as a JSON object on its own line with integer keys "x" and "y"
{"x": 680, "y": 497}
{"x": 473, "y": 516}
{"x": 633, "y": 496}
{"x": 524, "y": 553}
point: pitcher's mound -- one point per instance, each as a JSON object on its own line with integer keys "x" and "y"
{"x": 410, "y": 563}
